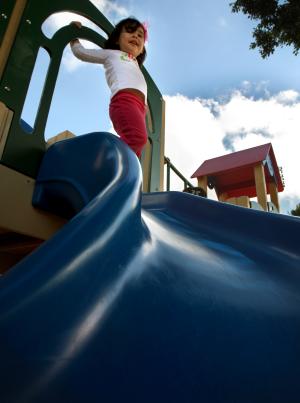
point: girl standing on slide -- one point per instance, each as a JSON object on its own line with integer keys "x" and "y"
{"x": 122, "y": 56}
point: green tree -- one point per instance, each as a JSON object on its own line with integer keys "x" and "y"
{"x": 278, "y": 23}
{"x": 296, "y": 211}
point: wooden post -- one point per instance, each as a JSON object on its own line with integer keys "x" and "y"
{"x": 223, "y": 197}
{"x": 146, "y": 166}
{"x": 61, "y": 136}
{"x": 10, "y": 33}
{"x": 260, "y": 183}
{"x": 274, "y": 195}
{"x": 16, "y": 211}
{"x": 202, "y": 183}
{"x": 147, "y": 154}
{"x": 6, "y": 116}
{"x": 243, "y": 201}
{"x": 162, "y": 147}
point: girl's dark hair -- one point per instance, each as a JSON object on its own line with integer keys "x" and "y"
{"x": 130, "y": 25}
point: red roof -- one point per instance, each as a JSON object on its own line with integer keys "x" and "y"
{"x": 233, "y": 173}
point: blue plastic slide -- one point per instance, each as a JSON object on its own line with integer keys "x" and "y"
{"x": 167, "y": 297}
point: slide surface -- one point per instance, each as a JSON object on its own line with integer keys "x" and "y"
{"x": 164, "y": 297}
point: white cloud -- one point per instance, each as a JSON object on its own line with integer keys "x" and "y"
{"x": 110, "y": 8}
{"x": 287, "y": 97}
{"x": 199, "y": 129}
{"x": 259, "y": 89}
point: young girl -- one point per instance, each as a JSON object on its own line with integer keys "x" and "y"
{"x": 122, "y": 57}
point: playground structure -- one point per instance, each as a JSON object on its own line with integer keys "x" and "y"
{"x": 22, "y": 147}
{"x": 242, "y": 175}
{"x": 160, "y": 296}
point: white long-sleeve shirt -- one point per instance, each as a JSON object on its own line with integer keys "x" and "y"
{"x": 121, "y": 69}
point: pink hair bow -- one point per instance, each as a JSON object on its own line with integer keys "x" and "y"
{"x": 145, "y": 26}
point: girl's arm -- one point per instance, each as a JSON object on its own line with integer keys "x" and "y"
{"x": 87, "y": 55}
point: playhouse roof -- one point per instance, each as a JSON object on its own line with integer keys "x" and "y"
{"x": 233, "y": 173}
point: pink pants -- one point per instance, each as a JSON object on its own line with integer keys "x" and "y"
{"x": 127, "y": 113}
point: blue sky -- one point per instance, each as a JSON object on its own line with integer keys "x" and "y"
{"x": 220, "y": 96}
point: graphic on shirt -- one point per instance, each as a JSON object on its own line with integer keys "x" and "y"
{"x": 126, "y": 57}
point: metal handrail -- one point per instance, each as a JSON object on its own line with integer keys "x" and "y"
{"x": 170, "y": 167}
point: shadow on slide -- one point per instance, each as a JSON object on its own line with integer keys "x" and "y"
{"x": 165, "y": 297}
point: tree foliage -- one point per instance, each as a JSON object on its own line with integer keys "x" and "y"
{"x": 278, "y": 23}
{"x": 296, "y": 211}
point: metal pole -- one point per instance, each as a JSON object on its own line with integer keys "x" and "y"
{"x": 179, "y": 174}
{"x": 168, "y": 177}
